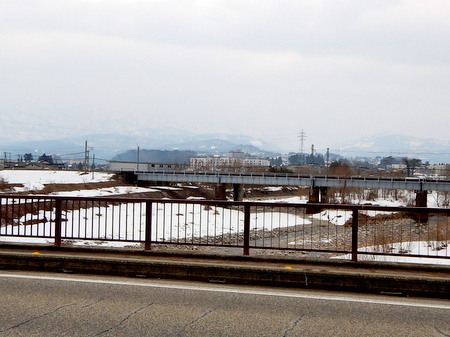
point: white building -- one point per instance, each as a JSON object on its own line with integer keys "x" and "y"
{"x": 145, "y": 167}
{"x": 234, "y": 160}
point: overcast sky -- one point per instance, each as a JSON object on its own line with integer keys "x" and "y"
{"x": 339, "y": 70}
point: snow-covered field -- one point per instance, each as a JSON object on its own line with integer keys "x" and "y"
{"x": 102, "y": 192}
{"x": 33, "y": 180}
{"x": 180, "y": 222}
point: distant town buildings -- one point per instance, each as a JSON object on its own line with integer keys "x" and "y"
{"x": 239, "y": 161}
{"x": 233, "y": 161}
{"x": 236, "y": 160}
{"x": 146, "y": 167}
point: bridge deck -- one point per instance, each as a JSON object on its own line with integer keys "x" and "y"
{"x": 292, "y": 180}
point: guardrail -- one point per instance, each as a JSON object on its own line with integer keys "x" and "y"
{"x": 348, "y": 231}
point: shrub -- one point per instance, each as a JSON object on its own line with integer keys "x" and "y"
{"x": 3, "y": 184}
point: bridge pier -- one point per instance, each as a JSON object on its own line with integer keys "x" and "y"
{"x": 318, "y": 195}
{"x": 324, "y": 197}
{"x": 129, "y": 177}
{"x": 238, "y": 192}
{"x": 421, "y": 201}
{"x": 220, "y": 192}
{"x": 421, "y": 198}
{"x": 314, "y": 195}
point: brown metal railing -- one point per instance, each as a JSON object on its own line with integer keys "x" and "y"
{"x": 356, "y": 230}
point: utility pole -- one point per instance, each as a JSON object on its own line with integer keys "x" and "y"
{"x": 311, "y": 160}
{"x": 93, "y": 165}
{"x": 137, "y": 165}
{"x": 86, "y": 156}
{"x": 328, "y": 156}
{"x": 7, "y": 159}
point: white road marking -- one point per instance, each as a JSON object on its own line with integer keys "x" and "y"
{"x": 298, "y": 293}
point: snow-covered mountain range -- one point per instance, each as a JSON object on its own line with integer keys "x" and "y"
{"x": 431, "y": 150}
{"x": 106, "y": 146}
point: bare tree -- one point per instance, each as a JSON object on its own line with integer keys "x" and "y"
{"x": 411, "y": 165}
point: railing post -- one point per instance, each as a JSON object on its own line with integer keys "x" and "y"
{"x": 148, "y": 225}
{"x": 246, "y": 229}
{"x": 355, "y": 215}
{"x": 58, "y": 210}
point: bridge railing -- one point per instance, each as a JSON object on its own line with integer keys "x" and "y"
{"x": 288, "y": 179}
{"x": 240, "y": 173}
{"x": 345, "y": 231}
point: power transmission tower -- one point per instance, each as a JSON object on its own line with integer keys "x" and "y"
{"x": 302, "y": 137}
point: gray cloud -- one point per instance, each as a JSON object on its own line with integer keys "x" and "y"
{"x": 337, "y": 69}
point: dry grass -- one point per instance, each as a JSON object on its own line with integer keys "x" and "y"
{"x": 52, "y": 188}
{"x": 3, "y": 184}
{"x": 404, "y": 230}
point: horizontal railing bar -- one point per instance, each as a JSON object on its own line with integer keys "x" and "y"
{"x": 238, "y": 203}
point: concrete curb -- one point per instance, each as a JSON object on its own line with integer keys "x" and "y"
{"x": 222, "y": 257}
{"x": 252, "y": 273}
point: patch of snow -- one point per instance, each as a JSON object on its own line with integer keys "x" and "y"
{"x": 337, "y": 217}
{"x": 273, "y": 188}
{"x": 291, "y": 200}
{"x": 364, "y": 145}
{"x": 167, "y": 188}
{"x": 429, "y": 248}
{"x": 26, "y": 240}
{"x": 381, "y": 202}
{"x": 114, "y": 244}
{"x": 438, "y": 199}
{"x": 274, "y": 220}
{"x": 375, "y": 213}
{"x": 415, "y": 143}
{"x": 105, "y": 191}
{"x": 33, "y": 180}
{"x": 256, "y": 142}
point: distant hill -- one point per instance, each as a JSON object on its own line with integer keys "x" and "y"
{"x": 107, "y": 146}
{"x": 220, "y": 146}
{"x": 156, "y": 156}
{"x": 430, "y": 150}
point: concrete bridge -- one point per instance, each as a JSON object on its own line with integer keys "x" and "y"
{"x": 318, "y": 185}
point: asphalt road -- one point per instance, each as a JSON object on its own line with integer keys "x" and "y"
{"x": 38, "y": 304}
